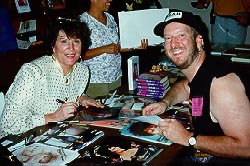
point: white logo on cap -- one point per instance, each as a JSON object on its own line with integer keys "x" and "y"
{"x": 173, "y": 15}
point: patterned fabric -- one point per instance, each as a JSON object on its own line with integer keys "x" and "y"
{"x": 34, "y": 92}
{"x": 105, "y": 68}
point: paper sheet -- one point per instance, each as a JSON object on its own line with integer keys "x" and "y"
{"x": 137, "y": 25}
{"x": 27, "y": 26}
{"x": 22, "y": 6}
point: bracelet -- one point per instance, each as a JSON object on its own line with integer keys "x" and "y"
{"x": 167, "y": 108}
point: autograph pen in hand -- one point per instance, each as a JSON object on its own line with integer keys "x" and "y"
{"x": 60, "y": 101}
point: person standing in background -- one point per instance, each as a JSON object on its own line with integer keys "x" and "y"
{"x": 103, "y": 57}
{"x": 232, "y": 18}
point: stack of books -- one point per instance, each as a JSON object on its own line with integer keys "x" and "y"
{"x": 154, "y": 85}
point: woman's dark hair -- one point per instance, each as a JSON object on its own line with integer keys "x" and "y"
{"x": 72, "y": 28}
{"x": 137, "y": 128}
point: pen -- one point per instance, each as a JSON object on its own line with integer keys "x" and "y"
{"x": 29, "y": 140}
{"x": 64, "y": 122}
{"x": 68, "y": 121}
{"x": 60, "y": 101}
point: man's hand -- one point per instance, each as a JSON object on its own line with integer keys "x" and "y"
{"x": 155, "y": 108}
{"x": 174, "y": 131}
{"x": 244, "y": 19}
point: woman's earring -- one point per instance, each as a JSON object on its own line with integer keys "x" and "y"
{"x": 201, "y": 49}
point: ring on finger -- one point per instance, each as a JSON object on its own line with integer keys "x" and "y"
{"x": 162, "y": 132}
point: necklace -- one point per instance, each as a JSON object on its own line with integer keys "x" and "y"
{"x": 65, "y": 76}
{"x": 58, "y": 66}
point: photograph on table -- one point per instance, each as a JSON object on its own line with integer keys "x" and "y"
{"x": 40, "y": 154}
{"x": 120, "y": 150}
{"x": 145, "y": 128}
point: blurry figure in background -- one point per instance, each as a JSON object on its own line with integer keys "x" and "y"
{"x": 230, "y": 19}
{"x": 103, "y": 57}
{"x": 31, "y": 100}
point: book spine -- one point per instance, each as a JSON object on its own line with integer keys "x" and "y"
{"x": 152, "y": 94}
{"x": 163, "y": 85}
{"x": 147, "y": 81}
{"x": 150, "y": 84}
{"x": 144, "y": 80}
{"x": 149, "y": 95}
{"x": 150, "y": 88}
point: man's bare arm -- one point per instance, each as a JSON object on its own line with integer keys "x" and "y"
{"x": 179, "y": 92}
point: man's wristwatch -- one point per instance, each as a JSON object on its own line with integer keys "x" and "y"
{"x": 192, "y": 140}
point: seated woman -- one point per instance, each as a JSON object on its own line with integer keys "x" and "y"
{"x": 32, "y": 98}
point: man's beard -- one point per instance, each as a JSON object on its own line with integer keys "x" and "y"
{"x": 191, "y": 56}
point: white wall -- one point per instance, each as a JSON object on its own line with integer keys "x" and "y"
{"x": 186, "y": 5}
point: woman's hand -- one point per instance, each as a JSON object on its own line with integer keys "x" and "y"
{"x": 112, "y": 48}
{"x": 144, "y": 44}
{"x": 65, "y": 111}
{"x": 87, "y": 101}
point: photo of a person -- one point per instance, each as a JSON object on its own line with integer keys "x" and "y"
{"x": 144, "y": 129}
{"x": 117, "y": 151}
{"x": 22, "y": 2}
{"x": 135, "y": 73}
{"x": 37, "y": 154}
{"x": 40, "y": 154}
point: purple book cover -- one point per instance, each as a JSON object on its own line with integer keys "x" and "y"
{"x": 150, "y": 95}
{"x": 150, "y": 88}
{"x": 152, "y": 77}
{"x": 151, "y": 91}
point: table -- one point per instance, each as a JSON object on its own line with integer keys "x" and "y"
{"x": 166, "y": 157}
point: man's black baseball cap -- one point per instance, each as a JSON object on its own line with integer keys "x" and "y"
{"x": 180, "y": 16}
